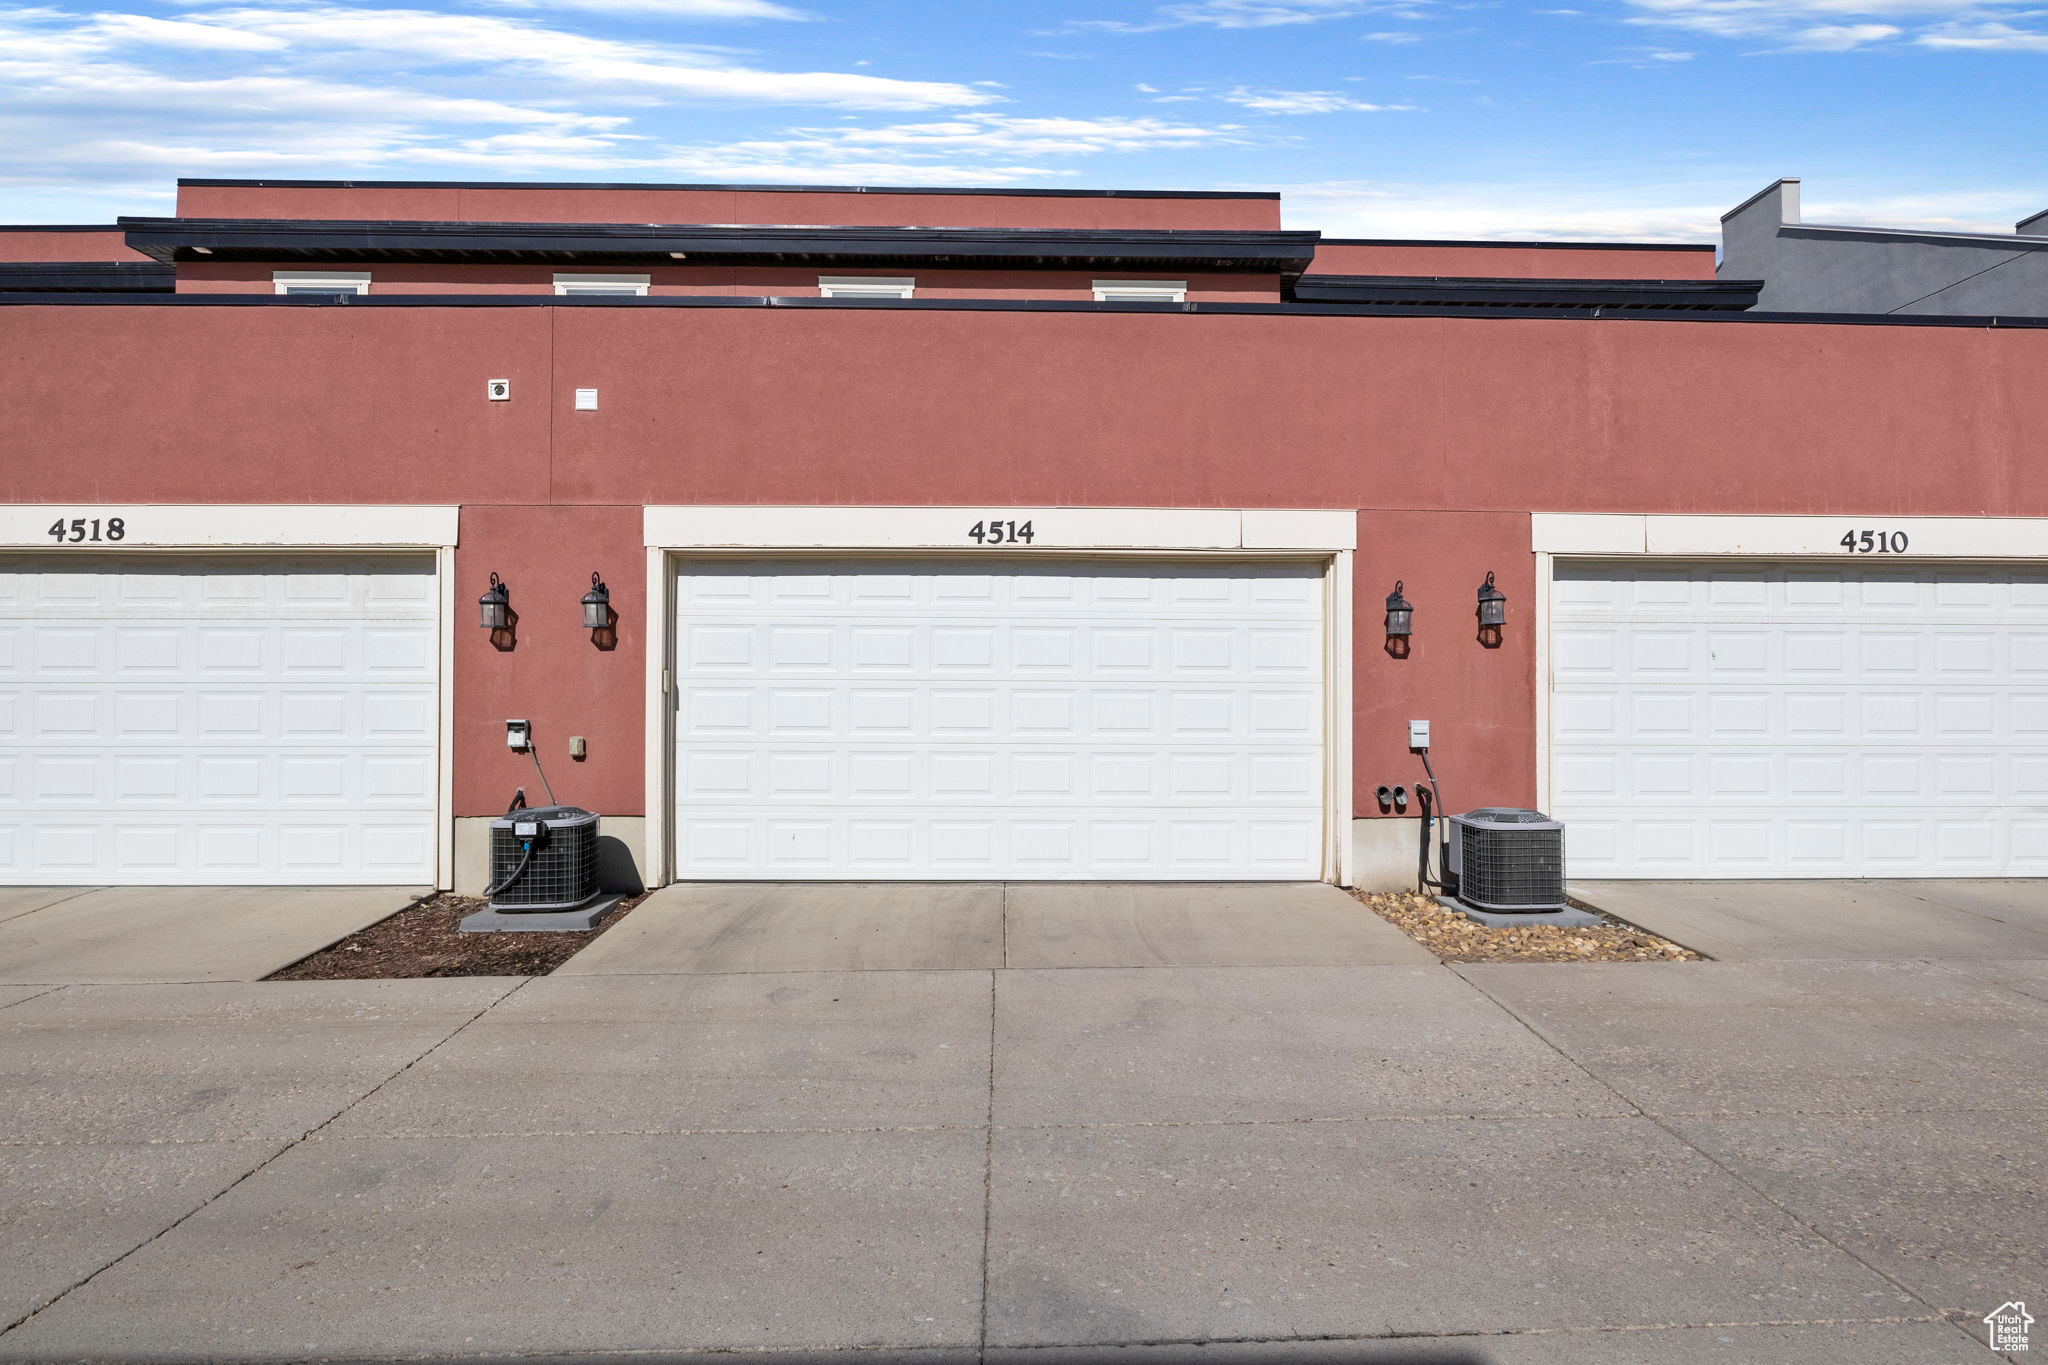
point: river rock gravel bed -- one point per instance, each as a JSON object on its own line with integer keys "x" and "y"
{"x": 1454, "y": 938}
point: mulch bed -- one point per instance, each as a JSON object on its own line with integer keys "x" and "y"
{"x": 422, "y": 940}
{"x": 1454, "y": 938}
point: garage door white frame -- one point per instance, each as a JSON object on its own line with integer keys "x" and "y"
{"x": 1770, "y": 539}
{"x": 251, "y": 528}
{"x": 1328, "y": 537}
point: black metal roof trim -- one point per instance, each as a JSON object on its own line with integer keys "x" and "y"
{"x": 60, "y": 227}
{"x": 1515, "y": 292}
{"x": 1540, "y": 246}
{"x": 1341, "y": 310}
{"x": 168, "y": 239}
{"x": 81, "y": 275}
{"x": 199, "y": 182}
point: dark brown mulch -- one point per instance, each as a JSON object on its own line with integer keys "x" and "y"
{"x": 1454, "y": 938}
{"x": 421, "y": 940}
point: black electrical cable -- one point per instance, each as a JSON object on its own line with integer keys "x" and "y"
{"x": 525, "y": 858}
{"x": 1425, "y": 801}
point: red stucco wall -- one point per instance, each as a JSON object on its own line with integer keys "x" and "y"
{"x": 70, "y": 244}
{"x": 1446, "y": 431}
{"x": 1512, "y": 262}
{"x": 246, "y": 277}
{"x": 516, "y": 204}
{"x": 549, "y": 670}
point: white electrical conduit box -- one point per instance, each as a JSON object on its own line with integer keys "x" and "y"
{"x": 518, "y": 735}
{"x": 1418, "y": 734}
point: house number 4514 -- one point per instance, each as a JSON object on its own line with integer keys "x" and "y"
{"x": 1875, "y": 542}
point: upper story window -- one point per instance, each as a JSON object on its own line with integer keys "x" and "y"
{"x": 1141, "y": 291}
{"x": 865, "y": 287}
{"x": 626, "y": 286}
{"x": 320, "y": 281}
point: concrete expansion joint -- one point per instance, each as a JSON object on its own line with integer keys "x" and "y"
{"x": 26, "y": 998}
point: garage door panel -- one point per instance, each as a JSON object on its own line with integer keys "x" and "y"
{"x": 203, "y": 720}
{"x": 1030, "y": 720}
{"x": 1878, "y": 729}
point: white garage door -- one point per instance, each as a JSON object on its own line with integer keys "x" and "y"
{"x": 1736, "y": 720}
{"x": 217, "y": 720}
{"x": 1026, "y": 720}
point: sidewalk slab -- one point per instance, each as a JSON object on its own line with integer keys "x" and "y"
{"x": 67, "y": 1211}
{"x": 1953, "y": 1206}
{"x": 1863, "y": 1343}
{"x": 1785, "y": 1037}
{"x": 187, "y": 933}
{"x": 802, "y": 927}
{"x": 216, "y": 1061}
{"x": 1875, "y": 921}
{"x": 692, "y": 1053}
{"x": 496, "y": 1247}
{"x": 20, "y": 900}
{"x": 1268, "y": 1044}
{"x": 1296, "y": 1230}
{"x": 1231, "y": 924}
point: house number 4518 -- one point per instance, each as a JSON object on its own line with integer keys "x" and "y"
{"x": 1875, "y": 542}
{"x": 81, "y": 529}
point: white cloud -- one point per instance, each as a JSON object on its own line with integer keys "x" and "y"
{"x": 1304, "y": 102}
{"x": 520, "y": 48}
{"x": 90, "y": 103}
{"x": 1393, "y": 37}
{"x": 1253, "y": 14}
{"x": 1984, "y": 36}
{"x": 1845, "y": 25}
{"x": 668, "y": 9}
{"x": 1840, "y": 37}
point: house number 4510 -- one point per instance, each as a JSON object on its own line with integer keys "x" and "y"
{"x": 1874, "y": 542}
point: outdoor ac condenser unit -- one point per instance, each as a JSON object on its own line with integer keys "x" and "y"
{"x": 1507, "y": 860}
{"x": 543, "y": 859}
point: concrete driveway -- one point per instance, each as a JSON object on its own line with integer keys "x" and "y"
{"x": 1786, "y": 921}
{"x": 741, "y": 1147}
{"x": 52, "y": 936}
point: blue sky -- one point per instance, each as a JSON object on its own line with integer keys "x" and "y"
{"x": 1590, "y": 119}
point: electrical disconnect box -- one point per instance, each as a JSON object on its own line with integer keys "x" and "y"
{"x": 1418, "y": 734}
{"x": 518, "y": 735}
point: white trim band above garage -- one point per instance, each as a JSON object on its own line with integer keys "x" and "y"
{"x": 1776, "y": 537}
{"x": 1053, "y": 528}
{"x": 227, "y": 526}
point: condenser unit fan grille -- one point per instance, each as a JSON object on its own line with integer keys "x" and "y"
{"x": 1508, "y": 860}
{"x": 560, "y": 874}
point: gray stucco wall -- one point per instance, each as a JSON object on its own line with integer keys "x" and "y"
{"x": 1816, "y": 269}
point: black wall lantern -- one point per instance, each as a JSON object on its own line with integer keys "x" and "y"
{"x": 495, "y": 606}
{"x": 1493, "y": 604}
{"x": 1493, "y": 613}
{"x": 1400, "y": 614}
{"x": 1400, "y": 619}
{"x": 597, "y": 605}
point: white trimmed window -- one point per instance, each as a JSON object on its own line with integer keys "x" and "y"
{"x": 626, "y": 286}
{"x": 320, "y": 281}
{"x": 865, "y": 286}
{"x": 1141, "y": 291}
